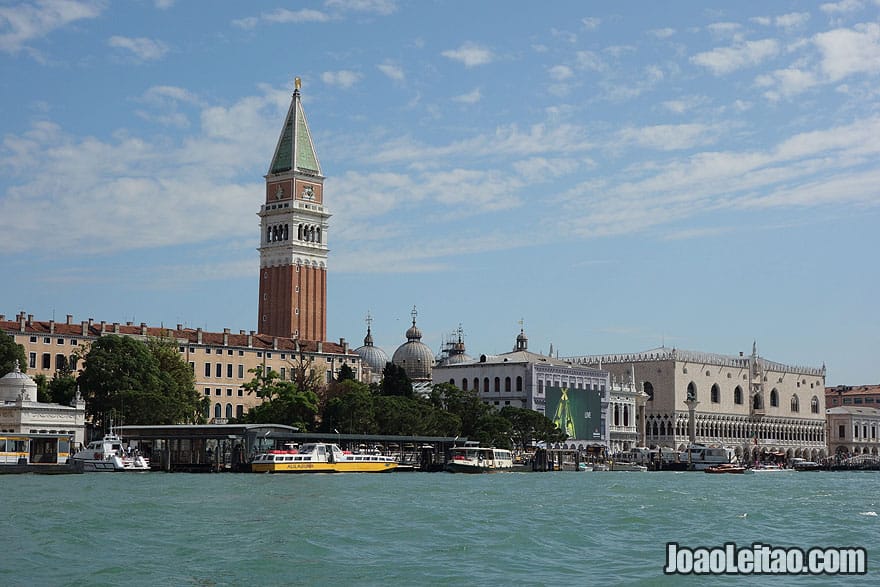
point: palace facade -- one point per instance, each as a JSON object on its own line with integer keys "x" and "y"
{"x": 746, "y": 402}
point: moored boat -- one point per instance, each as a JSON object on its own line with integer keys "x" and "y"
{"x": 626, "y": 466}
{"x": 319, "y": 457}
{"x": 109, "y": 455}
{"x": 767, "y": 468}
{"x": 726, "y": 468}
{"x": 474, "y": 459}
{"x": 799, "y": 464}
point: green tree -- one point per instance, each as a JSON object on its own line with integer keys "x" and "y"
{"x": 62, "y": 389}
{"x": 283, "y": 402}
{"x": 346, "y": 373}
{"x": 528, "y": 426}
{"x": 133, "y": 382}
{"x": 10, "y": 351}
{"x": 466, "y": 405}
{"x": 351, "y": 410}
{"x": 395, "y": 381}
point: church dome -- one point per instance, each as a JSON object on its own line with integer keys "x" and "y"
{"x": 414, "y": 356}
{"x": 373, "y": 356}
{"x": 17, "y": 385}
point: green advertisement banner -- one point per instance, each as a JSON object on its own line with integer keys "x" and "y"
{"x": 577, "y": 412}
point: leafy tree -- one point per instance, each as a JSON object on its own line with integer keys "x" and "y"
{"x": 528, "y": 426}
{"x": 283, "y": 402}
{"x": 9, "y": 352}
{"x": 493, "y": 429}
{"x": 352, "y": 410}
{"x": 138, "y": 383}
{"x": 346, "y": 373}
{"x": 42, "y": 387}
{"x": 395, "y": 381}
{"x": 181, "y": 403}
{"x": 402, "y": 416}
{"x": 466, "y": 405}
{"x": 62, "y": 389}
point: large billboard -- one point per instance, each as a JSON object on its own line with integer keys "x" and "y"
{"x": 577, "y": 412}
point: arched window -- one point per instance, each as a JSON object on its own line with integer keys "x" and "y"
{"x": 477, "y": 385}
{"x": 464, "y": 384}
{"x": 649, "y": 389}
{"x": 616, "y": 415}
{"x": 774, "y": 398}
{"x": 715, "y": 394}
{"x": 757, "y": 402}
{"x": 738, "y": 395}
{"x": 814, "y": 405}
{"x": 497, "y": 385}
{"x": 692, "y": 391}
{"x": 507, "y": 384}
{"x": 795, "y": 404}
{"x": 229, "y": 411}
{"x": 485, "y": 385}
{"x": 519, "y": 383}
{"x": 451, "y": 381}
{"x": 626, "y": 415}
{"x": 218, "y": 411}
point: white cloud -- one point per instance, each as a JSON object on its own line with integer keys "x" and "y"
{"x": 143, "y": 48}
{"x": 469, "y": 98}
{"x": 663, "y": 33}
{"x": 849, "y": 51}
{"x": 841, "y": 7}
{"x": 391, "y": 70}
{"x": 560, "y": 72}
{"x": 342, "y": 79}
{"x": 591, "y": 23}
{"x": 792, "y": 20}
{"x": 684, "y": 104}
{"x": 724, "y": 60}
{"x": 470, "y": 54}
{"x": 24, "y": 22}
{"x": 382, "y": 7}
{"x": 283, "y": 16}
{"x": 786, "y": 83}
{"x": 670, "y": 137}
{"x": 589, "y": 60}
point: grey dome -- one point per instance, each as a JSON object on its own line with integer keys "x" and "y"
{"x": 17, "y": 385}
{"x": 373, "y": 356}
{"x": 414, "y": 356}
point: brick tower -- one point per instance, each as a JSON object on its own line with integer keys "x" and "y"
{"x": 293, "y": 242}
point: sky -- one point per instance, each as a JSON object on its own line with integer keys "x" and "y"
{"x": 610, "y": 177}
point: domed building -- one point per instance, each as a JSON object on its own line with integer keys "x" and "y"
{"x": 414, "y": 356}
{"x": 21, "y": 413}
{"x": 453, "y": 352}
{"x": 372, "y": 357}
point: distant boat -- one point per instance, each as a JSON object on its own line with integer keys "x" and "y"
{"x": 767, "y": 468}
{"x": 321, "y": 457}
{"x": 725, "y": 468}
{"x": 799, "y": 464}
{"x": 626, "y": 466}
{"x": 474, "y": 459}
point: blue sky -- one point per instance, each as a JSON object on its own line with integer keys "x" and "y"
{"x": 616, "y": 175}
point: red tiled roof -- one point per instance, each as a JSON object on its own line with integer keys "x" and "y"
{"x": 852, "y": 390}
{"x": 94, "y": 329}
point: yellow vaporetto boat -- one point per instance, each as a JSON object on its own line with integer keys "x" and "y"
{"x": 320, "y": 458}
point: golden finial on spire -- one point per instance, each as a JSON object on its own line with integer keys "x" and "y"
{"x": 297, "y": 82}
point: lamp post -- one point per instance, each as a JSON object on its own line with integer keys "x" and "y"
{"x": 691, "y": 403}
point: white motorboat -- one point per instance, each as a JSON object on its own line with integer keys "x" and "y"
{"x": 767, "y": 468}
{"x": 474, "y": 459}
{"x": 626, "y": 466}
{"x": 108, "y": 455}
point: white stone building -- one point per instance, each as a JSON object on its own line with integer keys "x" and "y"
{"x": 745, "y": 402}
{"x": 21, "y": 413}
{"x": 853, "y": 431}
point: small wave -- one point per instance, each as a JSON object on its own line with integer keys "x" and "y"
{"x": 874, "y": 514}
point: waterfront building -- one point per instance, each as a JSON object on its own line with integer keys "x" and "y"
{"x": 22, "y": 413}
{"x": 853, "y": 395}
{"x": 583, "y": 400}
{"x": 220, "y": 361}
{"x": 852, "y": 430}
{"x": 745, "y": 402}
{"x": 294, "y": 230}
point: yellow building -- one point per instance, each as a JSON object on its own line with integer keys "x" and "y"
{"x": 220, "y": 360}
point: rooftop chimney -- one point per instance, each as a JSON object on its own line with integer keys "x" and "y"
{"x": 51, "y": 327}
{"x": 199, "y": 335}
{"x": 225, "y": 337}
{"x": 143, "y": 328}
{"x": 70, "y": 318}
{"x": 85, "y": 328}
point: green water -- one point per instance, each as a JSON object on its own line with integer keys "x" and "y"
{"x": 417, "y": 528}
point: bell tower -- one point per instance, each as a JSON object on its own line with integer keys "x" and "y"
{"x": 293, "y": 236}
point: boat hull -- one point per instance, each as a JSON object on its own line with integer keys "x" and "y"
{"x": 473, "y": 468}
{"x": 307, "y": 467}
